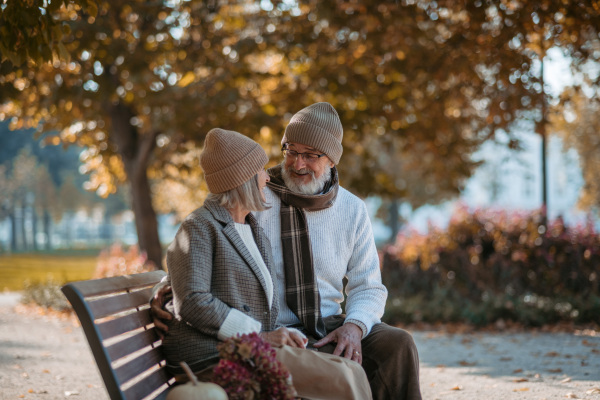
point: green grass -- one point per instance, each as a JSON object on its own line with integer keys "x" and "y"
{"x": 17, "y": 269}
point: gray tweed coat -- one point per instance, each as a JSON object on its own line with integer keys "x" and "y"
{"x": 212, "y": 271}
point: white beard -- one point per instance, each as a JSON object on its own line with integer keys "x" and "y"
{"x": 315, "y": 185}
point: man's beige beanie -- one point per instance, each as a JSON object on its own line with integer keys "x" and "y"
{"x": 229, "y": 159}
{"x": 318, "y": 126}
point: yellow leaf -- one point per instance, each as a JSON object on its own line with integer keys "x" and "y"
{"x": 186, "y": 79}
{"x": 521, "y": 390}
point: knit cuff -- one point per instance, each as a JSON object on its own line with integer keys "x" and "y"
{"x": 361, "y": 325}
{"x": 237, "y": 323}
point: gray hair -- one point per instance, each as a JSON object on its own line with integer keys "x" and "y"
{"x": 247, "y": 195}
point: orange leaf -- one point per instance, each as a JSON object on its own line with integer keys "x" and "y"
{"x": 516, "y": 371}
{"x": 518, "y": 380}
{"x": 466, "y": 363}
{"x": 521, "y": 390}
{"x": 457, "y": 387}
{"x": 552, "y": 354}
{"x": 555, "y": 370}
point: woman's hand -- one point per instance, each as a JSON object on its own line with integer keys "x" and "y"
{"x": 285, "y": 336}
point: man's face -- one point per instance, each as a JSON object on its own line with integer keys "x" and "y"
{"x": 304, "y": 176}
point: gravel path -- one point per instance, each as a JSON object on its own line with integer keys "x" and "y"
{"x": 45, "y": 357}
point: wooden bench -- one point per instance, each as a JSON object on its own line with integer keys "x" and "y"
{"x": 115, "y": 318}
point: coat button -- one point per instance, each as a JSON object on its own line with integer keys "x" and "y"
{"x": 246, "y": 308}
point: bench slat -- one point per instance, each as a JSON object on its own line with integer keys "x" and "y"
{"x": 106, "y": 306}
{"x": 132, "y": 344}
{"x": 98, "y": 287}
{"x": 138, "y": 365}
{"x": 118, "y": 300}
{"x": 128, "y": 323}
{"x": 148, "y": 385}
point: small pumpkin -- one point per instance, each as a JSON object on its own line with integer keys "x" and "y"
{"x": 194, "y": 390}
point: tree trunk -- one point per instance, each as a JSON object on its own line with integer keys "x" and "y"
{"x": 22, "y": 227}
{"x": 13, "y": 229}
{"x": 34, "y": 228}
{"x": 135, "y": 150}
{"x": 394, "y": 216}
{"x": 47, "y": 221}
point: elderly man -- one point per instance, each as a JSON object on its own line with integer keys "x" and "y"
{"x": 321, "y": 233}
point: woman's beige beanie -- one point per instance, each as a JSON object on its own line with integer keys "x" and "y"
{"x": 318, "y": 126}
{"x": 229, "y": 159}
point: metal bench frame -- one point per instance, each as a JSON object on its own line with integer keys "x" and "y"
{"x": 115, "y": 318}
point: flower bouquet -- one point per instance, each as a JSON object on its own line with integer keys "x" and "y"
{"x": 249, "y": 370}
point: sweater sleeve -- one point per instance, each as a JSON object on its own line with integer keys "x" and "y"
{"x": 366, "y": 294}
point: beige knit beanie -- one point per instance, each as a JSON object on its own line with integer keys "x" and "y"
{"x": 229, "y": 159}
{"x": 317, "y": 126}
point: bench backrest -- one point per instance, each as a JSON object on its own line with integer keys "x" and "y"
{"x": 115, "y": 318}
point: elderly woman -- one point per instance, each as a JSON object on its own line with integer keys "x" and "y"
{"x": 219, "y": 268}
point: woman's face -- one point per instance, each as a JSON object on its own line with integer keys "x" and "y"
{"x": 263, "y": 178}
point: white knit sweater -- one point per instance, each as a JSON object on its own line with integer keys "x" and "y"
{"x": 342, "y": 244}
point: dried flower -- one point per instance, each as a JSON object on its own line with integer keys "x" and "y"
{"x": 249, "y": 370}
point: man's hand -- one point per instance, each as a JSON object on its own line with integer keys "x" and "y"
{"x": 282, "y": 336}
{"x": 158, "y": 313}
{"x": 347, "y": 337}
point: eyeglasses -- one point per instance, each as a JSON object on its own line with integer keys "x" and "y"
{"x": 307, "y": 157}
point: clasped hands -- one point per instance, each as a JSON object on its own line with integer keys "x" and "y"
{"x": 347, "y": 337}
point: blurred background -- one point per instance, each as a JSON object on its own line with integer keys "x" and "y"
{"x": 470, "y": 129}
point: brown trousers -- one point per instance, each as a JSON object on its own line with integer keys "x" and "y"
{"x": 390, "y": 360}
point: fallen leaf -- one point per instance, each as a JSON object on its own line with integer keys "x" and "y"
{"x": 521, "y": 390}
{"x": 505, "y": 358}
{"x": 516, "y": 371}
{"x": 586, "y": 342}
{"x": 30, "y": 391}
{"x": 466, "y": 363}
{"x": 519, "y": 380}
{"x": 457, "y": 387}
{"x": 21, "y": 396}
{"x": 566, "y": 380}
{"x": 571, "y": 396}
{"x": 552, "y": 354}
{"x": 555, "y": 370}
{"x": 45, "y": 371}
{"x": 595, "y": 351}
{"x": 593, "y": 391}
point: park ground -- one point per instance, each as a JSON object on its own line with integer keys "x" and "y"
{"x": 45, "y": 356}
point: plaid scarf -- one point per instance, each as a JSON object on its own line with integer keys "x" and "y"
{"x": 301, "y": 290}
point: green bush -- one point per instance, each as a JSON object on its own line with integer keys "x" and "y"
{"x": 491, "y": 265}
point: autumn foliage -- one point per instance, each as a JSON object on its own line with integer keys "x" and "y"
{"x": 490, "y": 265}
{"x": 118, "y": 260}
